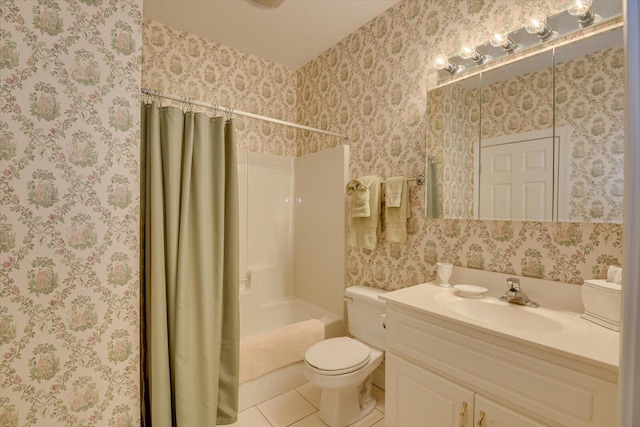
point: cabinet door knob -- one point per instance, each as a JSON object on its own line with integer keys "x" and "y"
{"x": 482, "y": 415}
{"x": 462, "y": 412}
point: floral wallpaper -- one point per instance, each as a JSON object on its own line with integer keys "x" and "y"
{"x": 588, "y": 87}
{"x": 453, "y": 125}
{"x": 593, "y": 87}
{"x": 520, "y": 104}
{"x": 69, "y": 212}
{"x": 69, "y": 162}
{"x": 186, "y": 65}
{"x": 373, "y": 87}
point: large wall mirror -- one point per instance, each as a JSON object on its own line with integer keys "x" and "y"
{"x": 539, "y": 139}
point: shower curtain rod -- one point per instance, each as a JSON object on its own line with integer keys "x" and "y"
{"x": 241, "y": 113}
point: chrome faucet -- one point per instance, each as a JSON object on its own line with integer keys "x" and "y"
{"x": 515, "y": 296}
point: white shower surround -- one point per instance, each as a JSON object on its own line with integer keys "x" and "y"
{"x": 292, "y": 252}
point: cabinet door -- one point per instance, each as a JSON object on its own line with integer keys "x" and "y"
{"x": 416, "y": 397}
{"x": 496, "y": 415}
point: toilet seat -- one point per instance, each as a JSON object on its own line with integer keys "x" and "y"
{"x": 337, "y": 356}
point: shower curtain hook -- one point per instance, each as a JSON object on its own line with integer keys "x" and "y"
{"x": 187, "y": 105}
{"x": 214, "y": 109}
{"x": 228, "y": 113}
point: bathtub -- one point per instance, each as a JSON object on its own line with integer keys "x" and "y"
{"x": 268, "y": 317}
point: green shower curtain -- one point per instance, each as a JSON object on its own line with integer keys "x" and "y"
{"x": 191, "y": 268}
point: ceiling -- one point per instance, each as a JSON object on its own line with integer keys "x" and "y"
{"x": 291, "y": 35}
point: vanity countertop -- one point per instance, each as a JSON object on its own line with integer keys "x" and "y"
{"x": 558, "y": 331}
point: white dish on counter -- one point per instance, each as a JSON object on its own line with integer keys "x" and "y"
{"x": 470, "y": 291}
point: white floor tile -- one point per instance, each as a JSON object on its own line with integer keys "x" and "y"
{"x": 369, "y": 420}
{"x": 312, "y": 393}
{"x": 251, "y": 418}
{"x": 286, "y": 409}
{"x": 312, "y": 420}
{"x": 375, "y": 418}
{"x": 293, "y": 409}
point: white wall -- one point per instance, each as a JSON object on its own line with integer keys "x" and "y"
{"x": 265, "y": 193}
{"x": 320, "y": 228}
{"x": 289, "y": 249}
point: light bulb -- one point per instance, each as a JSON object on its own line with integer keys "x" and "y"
{"x": 502, "y": 40}
{"x": 582, "y": 10}
{"x": 579, "y": 7}
{"x": 468, "y": 52}
{"x": 537, "y": 25}
{"x": 440, "y": 62}
{"x": 498, "y": 39}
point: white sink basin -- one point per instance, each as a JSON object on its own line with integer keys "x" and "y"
{"x": 492, "y": 311}
{"x": 550, "y": 328}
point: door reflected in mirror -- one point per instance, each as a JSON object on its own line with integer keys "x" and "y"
{"x": 515, "y": 159}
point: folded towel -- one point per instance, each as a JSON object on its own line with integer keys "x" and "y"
{"x": 359, "y": 193}
{"x": 396, "y": 217}
{"x": 363, "y": 231}
{"x": 266, "y": 352}
{"x": 433, "y": 200}
{"x": 393, "y": 191}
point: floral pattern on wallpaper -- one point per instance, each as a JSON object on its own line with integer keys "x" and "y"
{"x": 69, "y": 218}
{"x": 590, "y": 100}
{"x": 520, "y": 104}
{"x": 453, "y": 125}
{"x": 372, "y": 86}
{"x": 186, "y": 65}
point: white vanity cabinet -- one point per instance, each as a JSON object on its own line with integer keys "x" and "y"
{"x": 491, "y": 414}
{"x": 435, "y": 365}
{"x": 417, "y": 397}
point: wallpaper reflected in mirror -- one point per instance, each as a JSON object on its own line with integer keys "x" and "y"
{"x": 531, "y": 159}
{"x": 453, "y": 129}
{"x": 516, "y": 162}
{"x": 589, "y": 102}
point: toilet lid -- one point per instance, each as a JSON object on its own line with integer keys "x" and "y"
{"x": 338, "y": 355}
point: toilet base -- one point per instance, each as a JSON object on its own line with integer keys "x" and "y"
{"x": 342, "y": 407}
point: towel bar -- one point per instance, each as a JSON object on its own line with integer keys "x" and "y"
{"x": 419, "y": 179}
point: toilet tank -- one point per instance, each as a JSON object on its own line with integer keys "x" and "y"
{"x": 364, "y": 311}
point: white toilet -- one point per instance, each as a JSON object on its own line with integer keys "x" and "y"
{"x": 343, "y": 367}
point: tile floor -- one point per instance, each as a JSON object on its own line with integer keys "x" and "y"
{"x": 299, "y": 408}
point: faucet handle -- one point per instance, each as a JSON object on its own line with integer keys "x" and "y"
{"x": 513, "y": 284}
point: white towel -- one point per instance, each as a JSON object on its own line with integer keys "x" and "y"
{"x": 393, "y": 191}
{"x": 266, "y": 352}
{"x": 363, "y": 232}
{"x": 359, "y": 193}
{"x": 396, "y": 217}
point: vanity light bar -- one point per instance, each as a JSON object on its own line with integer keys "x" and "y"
{"x": 543, "y": 27}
